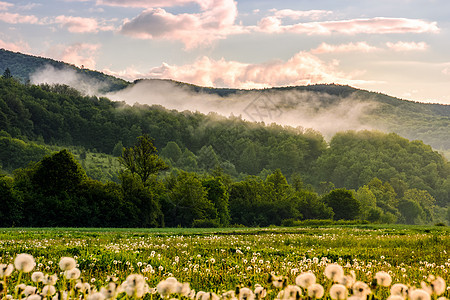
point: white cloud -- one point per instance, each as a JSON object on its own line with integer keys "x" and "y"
{"x": 407, "y": 46}
{"x": 78, "y": 54}
{"x": 5, "y": 5}
{"x": 273, "y": 24}
{"x": 17, "y": 47}
{"x": 80, "y": 24}
{"x": 301, "y": 69}
{"x": 216, "y": 21}
{"x": 297, "y": 14}
{"x": 150, "y": 3}
{"x": 350, "y": 47}
{"x": 14, "y": 18}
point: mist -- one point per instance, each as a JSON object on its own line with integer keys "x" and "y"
{"x": 83, "y": 83}
{"x": 322, "y": 112}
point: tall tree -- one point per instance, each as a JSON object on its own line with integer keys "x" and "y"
{"x": 142, "y": 159}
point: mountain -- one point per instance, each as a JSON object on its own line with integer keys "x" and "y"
{"x": 327, "y": 108}
{"x": 23, "y": 66}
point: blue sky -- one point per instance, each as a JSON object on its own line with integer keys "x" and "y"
{"x": 396, "y": 47}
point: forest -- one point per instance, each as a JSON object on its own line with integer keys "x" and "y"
{"x": 213, "y": 171}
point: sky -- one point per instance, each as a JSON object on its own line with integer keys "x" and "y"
{"x": 397, "y": 47}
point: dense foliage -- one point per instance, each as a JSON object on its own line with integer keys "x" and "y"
{"x": 234, "y": 172}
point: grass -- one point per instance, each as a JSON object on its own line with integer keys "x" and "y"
{"x": 220, "y": 259}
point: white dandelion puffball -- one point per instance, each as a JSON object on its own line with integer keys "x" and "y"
{"x": 72, "y": 274}
{"x": 419, "y": 294}
{"x": 6, "y": 270}
{"x": 24, "y": 262}
{"x": 399, "y": 289}
{"x": 361, "y": 289}
{"x": 438, "y": 286}
{"x": 334, "y": 272}
{"x": 67, "y": 263}
{"x": 48, "y": 290}
{"x": 338, "y": 292}
{"x": 37, "y": 276}
{"x": 383, "y": 278}
{"x": 315, "y": 290}
{"x": 305, "y": 279}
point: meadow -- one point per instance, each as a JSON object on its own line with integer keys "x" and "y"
{"x": 219, "y": 260}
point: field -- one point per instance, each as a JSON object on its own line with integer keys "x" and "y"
{"x": 218, "y": 260}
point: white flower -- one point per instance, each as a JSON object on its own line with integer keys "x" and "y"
{"x": 167, "y": 287}
{"x": 6, "y": 270}
{"x": 347, "y": 280}
{"x": 34, "y": 297}
{"x": 419, "y": 294}
{"x": 290, "y": 292}
{"x": 110, "y": 291}
{"x": 399, "y": 289}
{"x": 334, "y": 272}
{"x": 96, "y": 296}
{"x": 82, "y": 287}
{"x": 260, "y": 292}
{"x": 72, "y": 274}
{"x": 20, "y": 288}
{"x": 383, "y": 278}
{"x": 438, "y": 286}
{"x": 48, "y": 290}
{"x": 315, "y": 290}
{"x": 245, "y": 294}
{"x": 338, "y": 292}
{"x": 24, "y": 262}
{"x": 30, "y": 290}
{"x": 305, "y": 279}
{"x": 395, "y": 297}
{"x": 50, "y": 279}
{"x": 361, "y": 289}
{"x": 37, "y": 276}
{"x": 67, "y": 263}
{"x": 135, "y": 286}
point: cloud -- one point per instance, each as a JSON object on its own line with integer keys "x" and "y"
{"x": 407, "y": 46}
{"x": 17, "y": 47}
{"x": 5, "y": 5}
{"x": 78, "y": 54}
{"x": 301, "y": 69}
{"x": 29, "y": 6}
{"x": 18, "y": 19}
{"x": 150, "y": 3}
{"x": 80, "y": 24}
{"x": 273, "y": 24}
{"x": 297, "y": 14}
{"x": 351, "y": 47}
{"x": 216, "y": 21}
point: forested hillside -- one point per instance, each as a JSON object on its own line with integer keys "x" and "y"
{"x": 273, "y": 173}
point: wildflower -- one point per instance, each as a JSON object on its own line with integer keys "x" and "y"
{"x": 229, "y": 295}
{"x": 135, "y": 285}
{"x": 24, "y": 262}
{"x": 245, "y": 294}
{"x": 37, "y": 276}
{"x": 82, "y": 287}
{"x": 167, "y": 287}
{"x": 96, "y": 296}
{"x": 277, "y": 281}
{"x": 6, "y": 270}
{"x": 361, "y": 289}
{"x": 72, "y": 273}
{"x": 315, "y": 290}
{"x": 29, "y": 290}
{"x": 20, "y": 288}
{"x": 399, "y": 289}
{"x": 206, "y": 296}
{"x": 110, "y": 291}
{"x": 260, "y": 292}
{"x": 291, "y": 292}
{"x": 48, "y": 290}
{"x": 347, "y": 280}
{"x": 34, "y": 297}
{"x": 334, "y": 272}
{"x": 67, "y": 263}
{"x": 50, "y": 279}
{"x": 438, "y": 286}
{"x": 338, "y": 292}
{"x": 395, "y": 297}
{"x": 419, "y": 294}
{"x": 305, "y": 279}
{"x": 383, "y": 278}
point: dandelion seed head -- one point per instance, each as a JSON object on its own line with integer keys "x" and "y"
{"x": 315, "y": 290}
{"x": 6, "y": 270}
{"x": 399, "y": 289}
{"x": 305, "y": 279}
{"x": 338, "y": 292}
{"x": 334, "y": 272}
{"x": 67, "y": 263}
{"x": 72, "y": 274}
{"x": 383, "y": 278}
{"x": 419, "y": 294}
{"x": 48, "y": 290}
{"x": 24, "y": 262}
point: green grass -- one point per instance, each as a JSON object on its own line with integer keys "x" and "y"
{"x": 241, "y": 256}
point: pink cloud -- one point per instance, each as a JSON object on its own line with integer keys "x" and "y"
{"x": 351, "y": 47}
{"x": 150, "y": 3}
{"x": 216, "y": 21}
{"x": 18, "y": 19}
{"x": 79, "y": 24}
{"x": 301, "y": 69}
{"x": 407, "y": 46}
{"x": 78, "y": 54}
{"x": 17, "y": 47}
{"x": 297, "y": 14}
{"x": 273, "y": 24}
{"x": 5, "y": 5}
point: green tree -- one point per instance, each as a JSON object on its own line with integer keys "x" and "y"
{"x": 10, "y": 203}
{"x": 142, "y": 159}
{"x": 172, "y": 151}
{"x": 7, "y": 74}
{"x": 117, "y": 150}
{"x": 218, "y": 195}
{"x": 344, "y": 204}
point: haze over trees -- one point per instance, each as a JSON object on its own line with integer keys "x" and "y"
{"x": 221, "y": 171}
